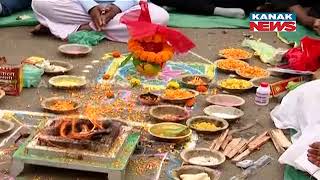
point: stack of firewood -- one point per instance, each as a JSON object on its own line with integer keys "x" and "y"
{"x": 237, "y": 149}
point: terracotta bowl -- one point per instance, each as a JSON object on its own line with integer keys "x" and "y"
{"x": 47, "y": 103}
{"x": 180, "y": 100}
{"x": 226, "y": 100}
{"x": 169, "y": 113}
{"x": 75, "y": 49}
{"x": 189, "y": 155}
{"x": 61, "y": 82}
{"x": 164, "y": 131}
{"x": 221, "y": 124}
{"x": 149, "y": 99}
{"x": 185, "y": 81}
{"x": 213, "y": 174}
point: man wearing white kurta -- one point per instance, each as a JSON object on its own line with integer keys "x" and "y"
{"x": 63, "y": 17}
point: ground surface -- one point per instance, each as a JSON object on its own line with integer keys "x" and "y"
{"x": 17, "y": 44}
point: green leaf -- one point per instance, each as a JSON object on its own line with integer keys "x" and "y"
{"x": 124, "y": 62}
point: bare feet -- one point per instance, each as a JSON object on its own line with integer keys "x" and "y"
{"x": 314, "y": 154}
{"x": 40, "y": 30}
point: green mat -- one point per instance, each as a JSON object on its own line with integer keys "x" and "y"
{"x": 11, "y": 21}
{"x": 198, "y": 21}
{"x": 295, "y": 37}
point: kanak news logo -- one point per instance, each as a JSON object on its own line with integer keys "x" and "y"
{"x": 273, "y": 22}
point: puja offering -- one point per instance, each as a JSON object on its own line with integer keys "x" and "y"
{"x": 67, "y": 82}
{"x": 202, "y": 157}
{"x": 207, "y": 124}
{"x": 184, "y": 172}
{"x": 153, "y": 46}
{"x": 170, "y": 131}
{"x": 149, "y": 99}
{"x": 169, "y": 113}
{"x": 55, "y": 67}
{"x": 178, "y": 96}
{"x": 225, "y": 100}
{"x": 75, "y": 49}
{"x": 233, "y": 53}
{"x": 5, "y": 126}
{"x": 252, "y": 72}
{"x": 74, "y": 143}
{"x": 235, "y": 85}
{"x": 227, "y": 113}
{"x": 194, "y": 81}
{"x": 11, "y": 79}
{"x": 60, "y": 105}
{"x": 230, "y": 65}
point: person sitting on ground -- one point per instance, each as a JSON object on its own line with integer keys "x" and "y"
{"x": 63, "y": 17}
{"x": 7, "y": 7}
{"x": 307, "y": 11}
{"x": 314, "y": 153}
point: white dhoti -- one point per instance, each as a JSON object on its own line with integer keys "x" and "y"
{"x": 64, "y": 17}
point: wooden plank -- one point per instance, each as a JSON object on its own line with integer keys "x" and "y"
{"x": 226, "y": 142}
{"x": 231, "y": 145}
{"x": 220, "y": 140}
{"x": 236, "y": 149}
{"x": 275, "y": 143}
{"x": 258, "y": 143}
{"x": 257, "y": 139}
{"x": 282, "y": 140}
{"x": 246, "y": 146}
{"x": 241, "y": 156}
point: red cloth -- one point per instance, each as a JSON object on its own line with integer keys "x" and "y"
{"x": 139, "y": 26}
{"x": 306, "y": 57}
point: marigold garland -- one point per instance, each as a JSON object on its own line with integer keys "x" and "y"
{"x": 153, "y": 49}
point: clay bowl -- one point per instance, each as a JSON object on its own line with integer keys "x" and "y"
{"x": 75, "y": 49}
{"x": 64, "y": 64}
{"x": 213, "y": 174}
{"x": 226, "y": 100}
{"x": 221, "y": 124}
{"x": 67, "y": 82}
{"x": 47, "y": 105}
{"x": 185, "y": 81}
{"x": 170, "y": 131}
{"x": 189, "y": 156}
{"x": 239, "y": 73}
{"x": 149, "y": 99}
{"x": 169, "y": 113}
{"x": 228, "y": 70}
{"x": 180, "y": 100}
{"x": 227, "y": 113}
{"x": 237, "y": 91}
{"x": 5, "y": 126}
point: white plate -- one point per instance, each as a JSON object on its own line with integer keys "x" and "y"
{"x": 227, "y": 113}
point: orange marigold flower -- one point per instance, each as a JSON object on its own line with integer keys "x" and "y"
{"x": 157, "y": 38}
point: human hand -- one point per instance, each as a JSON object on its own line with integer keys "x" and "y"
{"x": 96, "y": 15}
{"x": 109, "y": 12}
{"x": 314, "y": 154}
{"x": 316, "y": 26}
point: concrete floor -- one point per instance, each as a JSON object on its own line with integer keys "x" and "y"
{"x": 17, "y": 44}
